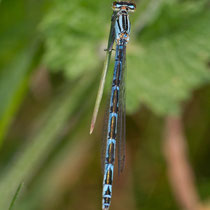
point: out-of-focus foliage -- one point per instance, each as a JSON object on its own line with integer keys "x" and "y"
{"x": 18, "y": 54}
{"x": 15, "y": 196}
{"x": 44, "y": 120}
{"x": 170, "y": 52}
{"x": 73, "y": 32}
{"x": 51, "y": 124}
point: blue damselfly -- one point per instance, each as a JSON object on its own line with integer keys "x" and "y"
{"x": 115, "y": 135}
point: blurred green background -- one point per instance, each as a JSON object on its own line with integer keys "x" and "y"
{"x": 51, "y": 58}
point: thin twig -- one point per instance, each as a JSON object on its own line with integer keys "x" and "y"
{"x": 179, "y": 170}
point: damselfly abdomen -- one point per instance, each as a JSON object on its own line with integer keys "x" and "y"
{"x": 115, "y": 135}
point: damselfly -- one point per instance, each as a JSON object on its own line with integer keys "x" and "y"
{"x": 115, "y": 135}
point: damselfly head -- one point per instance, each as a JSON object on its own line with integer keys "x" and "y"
{"x": 123, "y": 5}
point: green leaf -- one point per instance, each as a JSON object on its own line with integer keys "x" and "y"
{"x": 166, "y": 61}
{"x": 72, "y": 36}
{"x": 170, "y": 59}
{"x": 15, "y": 196}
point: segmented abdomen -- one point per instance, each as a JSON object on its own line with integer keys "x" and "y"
{"x": 112, "y": 128}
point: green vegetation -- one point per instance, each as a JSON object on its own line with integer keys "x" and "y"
{"x": 51, "y": 57}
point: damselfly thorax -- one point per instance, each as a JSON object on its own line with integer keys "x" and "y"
{"x": 122, "y": 24}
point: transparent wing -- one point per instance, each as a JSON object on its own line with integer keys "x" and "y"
{"x": 121, "y": 134}
{"x": 105, "y": 129}
{"x": 104, "y": 73}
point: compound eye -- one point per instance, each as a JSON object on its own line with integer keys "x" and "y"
{"x": 116, "y": 6}
{"x": 132, "y": 7}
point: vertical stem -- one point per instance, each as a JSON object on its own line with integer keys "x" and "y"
{"x": 179, "y": 170}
